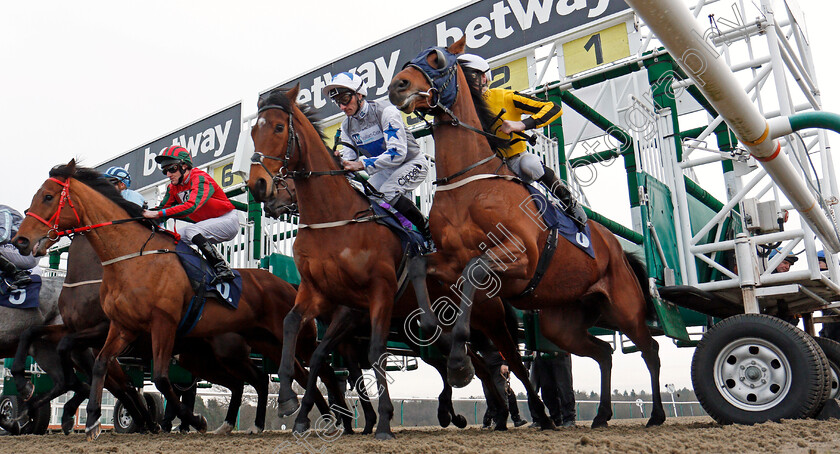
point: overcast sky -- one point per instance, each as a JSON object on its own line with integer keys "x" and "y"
{"x": 92, "y": 80}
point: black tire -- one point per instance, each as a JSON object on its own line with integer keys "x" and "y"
{"x": 826, "y": 372}
{"x": 9, "y": 406}
{"x": 156, "y": 406}
{"x": 753, "y": 368}
{"x": 831, "y": 348}
{"x": 41, "y": 419}
{"x": 123, "y": 421}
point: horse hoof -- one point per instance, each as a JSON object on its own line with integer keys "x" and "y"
{"x": 254, "y": 430}
{"x": 224, "y": 429}
{"x": 547, "y": 424}
{"x": 67, "y": 425}
{"x": 367, "y": 431}
{"x": 459, "y": 421}
{"x": 655, "y": 420}
{"x": 201, "y": 424}
{"x": 596, "y": 424}
{"x": 461, "y": 376}
{"x": 444, "y": 418}
{"x": 301, "y": 427}
{"x": 500, "y": 427}
{"x": 93, "y": 432}
{"x": 385, "y": 435}
{"x": 155, "y": 428}
{"x": 287, "y": 407}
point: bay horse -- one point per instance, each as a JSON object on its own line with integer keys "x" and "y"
{"x": 485, "y": 237}
{"x": 223, "y": 360}
{"x": 145, "y": 290}
{"x": 342, "y": 257}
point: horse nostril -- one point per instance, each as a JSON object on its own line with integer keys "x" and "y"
{"x": 398, "y": 85}
{"x": 260, "y": 192}
{"x": 22, "y": 243}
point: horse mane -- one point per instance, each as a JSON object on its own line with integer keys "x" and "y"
{"x": 97, "y": 181}
{"x": 278, "y": 97}
{"x": 486, "y": 116}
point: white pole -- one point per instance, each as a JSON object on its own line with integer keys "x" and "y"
{"x": 682, "y": 35}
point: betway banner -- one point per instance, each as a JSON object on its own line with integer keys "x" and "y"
{"x": 207, "y": 140}
{"x": 492, "y": 28}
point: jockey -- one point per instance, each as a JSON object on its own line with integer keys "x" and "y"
{"x": 13, "y": 265}
{"x": 390, "y": 155}
{"x": 527, "y": 166}
{"x": 193, "y": 195}
{"x": 121, "y": 180}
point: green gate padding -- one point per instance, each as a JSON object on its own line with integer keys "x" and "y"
{"x": 281, "y": 266}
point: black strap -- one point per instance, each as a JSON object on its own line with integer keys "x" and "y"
{"x": 457, "y": 174}
{"x": 542, "y": 264}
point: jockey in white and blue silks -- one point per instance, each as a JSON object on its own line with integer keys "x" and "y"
{"x": 121, "y": 179}
{"x": 390, "y": 155}
{"x": 14, "y": 266}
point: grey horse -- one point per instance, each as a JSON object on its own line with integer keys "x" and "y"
{"x": 16, "y": 321}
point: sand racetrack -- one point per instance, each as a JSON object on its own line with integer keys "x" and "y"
{"x": 679, "y": 435}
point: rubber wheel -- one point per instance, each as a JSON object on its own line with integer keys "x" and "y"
{"x": 753, "y": 368}
{"x": 831, "y": 348}
{"x": 826, "y": 372}
{"x": 41, "y": 420}
{"x": 156, "y": 406}
{"x": 123, "y": 421}
{"x": 9, "y": 406}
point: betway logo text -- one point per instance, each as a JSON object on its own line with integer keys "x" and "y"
{"x": 211, "y": 140}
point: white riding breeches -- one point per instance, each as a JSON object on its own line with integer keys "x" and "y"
{"x": 215, "y": 230}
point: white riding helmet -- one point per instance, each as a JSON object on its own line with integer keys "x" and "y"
{"x": 346, "y": 80}
{"x": 476, "y": 63}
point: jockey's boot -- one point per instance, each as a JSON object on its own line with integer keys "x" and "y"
{"x": 557, "y": 187}
{"x": 17, "y": 278}
{"x": 215, "y": 259}
{"x": 408, "y": 209}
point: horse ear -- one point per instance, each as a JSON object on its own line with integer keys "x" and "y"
{"x": 458, "y": 46}
{"x": 292, "y": 94}
{"x": 71, "y": 166}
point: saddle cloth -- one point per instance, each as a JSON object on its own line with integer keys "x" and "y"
{"x": 553, "y": 217}
{"x": 25, "y": 298}
{"x": 201, "y": 274}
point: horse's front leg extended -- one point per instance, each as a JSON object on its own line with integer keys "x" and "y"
{"x": 287, "y": 401}
{"x": 117, "y": 341}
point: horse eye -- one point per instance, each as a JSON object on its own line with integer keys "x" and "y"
{"x": 48, "y": 197}
{"x": 279, "y": 128}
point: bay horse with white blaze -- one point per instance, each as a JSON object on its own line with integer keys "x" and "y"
{"x": 145, "y": 289}
{"x": 577, "y": 291}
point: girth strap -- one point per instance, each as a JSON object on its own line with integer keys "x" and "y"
{"x": 542, "y": 264}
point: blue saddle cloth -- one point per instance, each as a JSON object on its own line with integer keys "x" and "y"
{"x": 200, "y": 272}
{"x": 200, "y": 275}
{"x": 554, "y": 218}
{"x": 24, "y": 298}
{"x": 410, "y": 239}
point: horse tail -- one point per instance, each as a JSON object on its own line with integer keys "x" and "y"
{"x": 641, "y": 273}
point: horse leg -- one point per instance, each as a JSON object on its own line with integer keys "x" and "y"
{"x": 287, "y": 401}
{"x": 381, "y": 307}
{"x": 357, "y": 382}
{"x": 428, "y": 322}
{"x": 342, "y": 323}
{"x": 461, "y": 371}
{"x": 18, "y": 369}
{"x": 566, "y": 328}
{"x": 163, "y": 340}
{"x": 446, "y": 411}
{"x": 501, "y": 338}
{"x": 233, "y": 355}
{"x": 117, "y": 341}
{"x": 47, "y": 358}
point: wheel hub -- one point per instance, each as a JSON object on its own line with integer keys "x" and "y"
{"x": 124, "y": 417}
{"x": 753, "y": 374}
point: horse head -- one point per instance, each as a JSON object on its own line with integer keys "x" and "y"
{"x": 428, "y": 80}
{"x": 52, "y": 210}
{"x": 277, "y": 151}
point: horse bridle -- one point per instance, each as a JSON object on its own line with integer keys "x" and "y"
{"x": 52, "y": 223}
{"x": 283, "y": 173}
